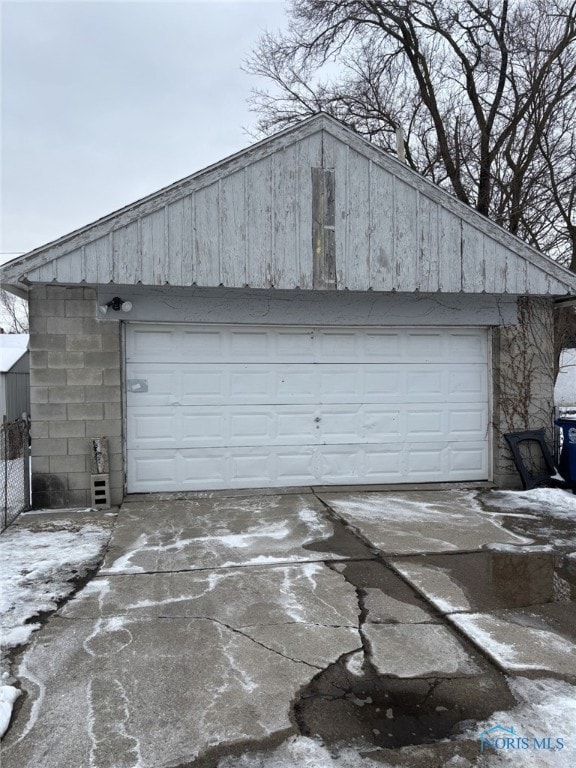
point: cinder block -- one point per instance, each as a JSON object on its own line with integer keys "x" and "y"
{"x": 38, "y": 325}
{"x": 112, "y": 411}
{"x": 85, "y": 411}
{"x": 65, "y": 359}
{"x": 79, "y": 446}
{"x": 38, "y": 359}
{"x": 100, "y": 325}
{"x": 39, "y": 395}
{"x": 117, "y": 464}
{"x": 47, "y": 377}
{"x": 79, "y": 481}
{"x": 84, "y": 376}
{"x": 100, "y": 491}
{"x": 41, "y": 428}
{"x": 79, "y": 499}
{"x": 49, "y": 447}
{"x": 67, "y": 394}
{"x": 65, "y": 464}
{"x": 115, "y": 448}
{"x": 60, "y": 325}
{"x": 102, "y": 394}
{"x": 89, "y": 294}
{"x": 79, "y": 308}
{"x": 77, "y": 343}
{"x": 46, "y": 341}
{"x": 56, "y": 291}
{"x": 104, "y": 428}
{"x": 67, "y": 429}
{"x": 40, "y": 499}
{"x": 112, "y": 377}
{"x": 110, "y": 342}
{"x": 76, "y": 293}
{"x": 49, "y": 490}
{"x": 40, "y": 464}
{"x": 102, "y": 359}
{"x": 48, "y": 412}
{"x": 116, "y": 496}
{"x": 50, "y": 308}
{"x": 37, "y": 293}
{"x": 117, "y": 479}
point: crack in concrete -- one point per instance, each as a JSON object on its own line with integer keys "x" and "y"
{"x": 263, "y": 645}
{"x": 276, "y": 564}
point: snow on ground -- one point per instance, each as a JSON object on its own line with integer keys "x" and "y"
{"x": 38, "y": 567}
{"x": 546, "y": 709}
{"x": 548, "y": 501}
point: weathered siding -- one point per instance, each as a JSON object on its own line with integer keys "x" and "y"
{"x": 254, "y": 221}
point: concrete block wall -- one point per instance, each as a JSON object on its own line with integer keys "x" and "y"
{"x": 75, "y": 394}
{"x": 523, "y": 369}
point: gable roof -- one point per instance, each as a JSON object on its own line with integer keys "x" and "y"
{"x": 274, "y": 213}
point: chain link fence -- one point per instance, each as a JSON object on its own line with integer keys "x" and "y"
{"x": 15, "y": 467}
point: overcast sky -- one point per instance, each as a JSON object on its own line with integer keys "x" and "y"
{"x": 105, "y": 102}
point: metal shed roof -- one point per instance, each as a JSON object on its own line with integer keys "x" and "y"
{"x": 12, "y": 347}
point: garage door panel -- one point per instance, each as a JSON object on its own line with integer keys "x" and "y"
{"x": 467, "y": 459}
{"x": 470, "y": 381}
{"x": 241, "y": 407}
{"x": 245, "y": 467}
{"x": 206, "y": 384}
{"x": 210, "y": 426}
{"x": 243, "y": 344}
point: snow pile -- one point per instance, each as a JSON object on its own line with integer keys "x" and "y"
{"x": 37, "y": 569}
{"x": 8, "y": 695}
{"x": 546, "y": 709}
{"x": 548, "y": 501}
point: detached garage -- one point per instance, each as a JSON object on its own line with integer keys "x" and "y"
{"x": 261, "y": 406}
{"x": 306, "y": 312}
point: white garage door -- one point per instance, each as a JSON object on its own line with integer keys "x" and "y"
{"x": 245, "y": 407}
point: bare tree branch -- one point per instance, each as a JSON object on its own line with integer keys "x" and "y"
{"x": 484, "y": 89}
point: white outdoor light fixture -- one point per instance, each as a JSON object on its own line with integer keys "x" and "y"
{"x": 117, "y": 304}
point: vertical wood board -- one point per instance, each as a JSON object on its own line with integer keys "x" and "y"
{"x": 358, "y": 221}
{"x": 285, "y": 270}
{"x": 207, "y": 246}
{"x": 233, "y": 230}
{"x": 405, "y": 236}
{"x": 258, "y": 222}
{"x": 382, "y": 254}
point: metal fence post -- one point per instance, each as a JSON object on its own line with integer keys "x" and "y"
{"x": 26, "y": 452}
{"x": 4, "y": 451}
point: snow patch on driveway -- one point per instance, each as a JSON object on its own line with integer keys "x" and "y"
{"x": 549, "y": 501}
{"x": 38, "y": 568}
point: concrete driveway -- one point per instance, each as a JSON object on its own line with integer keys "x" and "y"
{"x": 220, "y": 624}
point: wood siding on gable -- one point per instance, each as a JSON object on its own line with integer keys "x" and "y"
{"x": 252, "y": 223}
